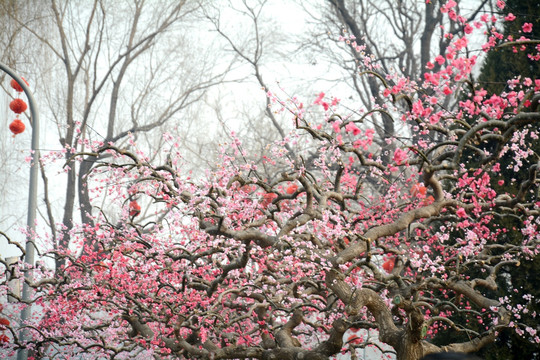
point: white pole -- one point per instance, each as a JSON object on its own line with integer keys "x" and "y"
{"x": 32, "y": 203}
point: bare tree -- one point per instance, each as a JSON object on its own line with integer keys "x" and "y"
{"x": 121, "y": 71}
{"x": 14, "y": 150}
{"x": 266, "y": 49}
{"x": 400, "y": 36}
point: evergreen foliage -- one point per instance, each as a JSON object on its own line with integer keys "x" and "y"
{"x": 501, "y": 65}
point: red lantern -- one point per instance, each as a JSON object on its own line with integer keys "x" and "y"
{"x": 134, "y": 208}
{"x": 292, "y": 189}
{"x": 18, "y": 106}
{"x": 15, "y": 85}
{"x": 389, "y": 264}
{"x": 17, "y": 127}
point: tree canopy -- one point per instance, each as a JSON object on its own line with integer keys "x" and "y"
{"x": 419, "y": 242}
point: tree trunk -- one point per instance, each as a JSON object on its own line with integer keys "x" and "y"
{"x": 408, "y": 349}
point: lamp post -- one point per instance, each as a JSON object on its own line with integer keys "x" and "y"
{"x": 32, "y": 203}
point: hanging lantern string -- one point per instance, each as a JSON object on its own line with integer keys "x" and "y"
{"x": 18, "y": 106}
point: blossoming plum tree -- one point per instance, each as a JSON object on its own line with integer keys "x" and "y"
{"x": 237, "y": 266}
